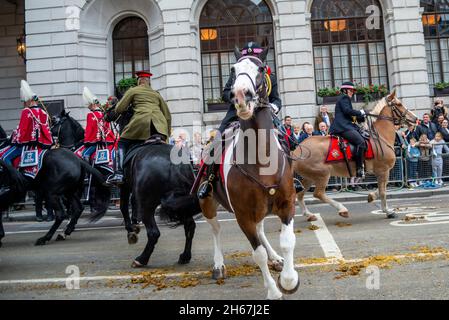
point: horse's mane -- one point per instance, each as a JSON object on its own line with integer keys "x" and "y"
{"x": 379, "y": 107}
{"x": 79, "y": 131}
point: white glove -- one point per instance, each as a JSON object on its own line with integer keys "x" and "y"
{"x": 363, "y": 112}
{"x": 275, "y": 108}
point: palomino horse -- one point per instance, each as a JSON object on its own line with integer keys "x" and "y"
{"x": 247, "y": 190}
{"x": 315, "y": 170}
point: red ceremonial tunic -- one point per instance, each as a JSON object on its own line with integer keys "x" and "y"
{"x": 34, "y": 127}
{"x": 97, "y": 129}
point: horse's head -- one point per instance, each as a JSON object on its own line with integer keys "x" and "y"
{"x": 392, "y": 108}
{"x": 66, "y": 130}
{"x": 250, "y": 86}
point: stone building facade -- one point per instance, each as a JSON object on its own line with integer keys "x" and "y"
{"x": 70, "y": 45}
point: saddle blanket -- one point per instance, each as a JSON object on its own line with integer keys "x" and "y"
{"x": 30, "y": 170}
{"x": 334, "y": 154}
{"x": 108, "y": 165}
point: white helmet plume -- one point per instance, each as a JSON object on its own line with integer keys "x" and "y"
{"x": 26, "y": 94}
{"x": 89, "y": 97}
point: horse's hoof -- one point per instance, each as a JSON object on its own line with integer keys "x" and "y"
{"x": 277, "y": 265}
{"x": 370, "y": 198}
{"x": 344, "y": 214}
{"x": 60, "y": 237}
{"x": 136, "y": 228}
{"x": 311, "y": 218}
{"x": 219, "y": 273}
{"x": 136, "y": 264}
{"x": 392, "y": 215}
{"x": 184, "y": 258}
{"x": 40, "y": 242}
{"x": 285, "y": 291}
{"x": 132, "y": 238}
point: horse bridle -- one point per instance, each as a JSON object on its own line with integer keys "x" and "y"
{"x": 260, "y": 85}
{"x": 398, "y": 115}
{"x": 59, "y": 123}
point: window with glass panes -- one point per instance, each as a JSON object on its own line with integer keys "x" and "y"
{"x": 346, "y": 47}
{"x": 130, "y": 47}
{"x": 435, "y": 21}
{"x": 225, "y": 24}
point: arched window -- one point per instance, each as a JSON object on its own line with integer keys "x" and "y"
{"x": 130, "y": 43}
{"x": 436, "y": 33}
{"x": 225, "y": 24}
{"x": 348, "y": 42}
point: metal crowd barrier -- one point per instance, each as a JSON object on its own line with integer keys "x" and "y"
{"x": 400, "y": 176}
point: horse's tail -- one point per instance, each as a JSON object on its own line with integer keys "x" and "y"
{"x": 97, "y": 175}
{"x": 17, "y": 182}
{"x": 177, "y": 207}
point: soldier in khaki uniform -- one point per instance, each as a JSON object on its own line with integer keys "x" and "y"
{"x": 151, "y": 117}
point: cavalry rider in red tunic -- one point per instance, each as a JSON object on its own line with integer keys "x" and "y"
{"x": 98, "y": 131}
{"x": 33, "y": 129}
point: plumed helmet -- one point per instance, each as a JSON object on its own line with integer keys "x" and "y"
{"x": 89, "y": 97}
{"x": 26, "y": 94}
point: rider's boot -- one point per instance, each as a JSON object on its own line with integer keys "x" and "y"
{"x": 206, "y": 187}
{"x": 117, "y": 177}
{"x": 359, "y": 161}
{"x": 298, "y": 185}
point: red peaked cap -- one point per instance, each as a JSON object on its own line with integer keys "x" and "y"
{"x": 143, "y": 74}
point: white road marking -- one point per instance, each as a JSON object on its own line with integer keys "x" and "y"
{"x": 327, "y": 242}
{"x": 330, "y": 262}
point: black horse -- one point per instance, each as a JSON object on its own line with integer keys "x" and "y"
{"x": 60, "y": 181}
{"x": 69, "y": 134}
{"x": 154, "y": 180}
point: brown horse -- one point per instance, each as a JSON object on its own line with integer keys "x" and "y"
{"x": 256, "y": 181}
{"x": 315, "y": 171}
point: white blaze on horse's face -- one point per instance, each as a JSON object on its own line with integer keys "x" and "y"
{"x": 244, "y": 89}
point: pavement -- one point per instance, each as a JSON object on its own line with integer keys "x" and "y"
{"x": 364, "y": 257}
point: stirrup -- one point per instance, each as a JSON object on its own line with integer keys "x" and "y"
{"x": 298, "y": 185}
{"x": 360, "y": 173}
{"x": 204, "y": 190}
{"x": 115, "y": 179}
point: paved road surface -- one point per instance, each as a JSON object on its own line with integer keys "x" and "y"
{"x": 411, "y": 253}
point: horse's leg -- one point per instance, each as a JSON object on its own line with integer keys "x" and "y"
{"x": 59, "y": 210}
{"x": 302, "y": 205}
{"x": 76, "y": 208}
{"x": 189, "y": 229}
{"x": 209, "y": 209}
{"x": 382, "y": 180}
{"x": 124, "y": 209}
{"x": 2, "y": 231}
{"x": 276, "y": 260}
{"x": 134, "y": 221}
{"x": 153, "y": 232}
{"x": 289, "y": 279}
{"x": 38, "y": 202}
{"x": 260, "y": 257}
{"x": 320, "y": 193}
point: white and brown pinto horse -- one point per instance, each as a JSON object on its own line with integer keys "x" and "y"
{"x": 315, "y": 170}
{"x": 256, "y": 182}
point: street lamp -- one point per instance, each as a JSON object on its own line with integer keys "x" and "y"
{"x": 21, "y": 47}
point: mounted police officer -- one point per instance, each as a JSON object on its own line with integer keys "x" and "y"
{"x": 345, "y": 126}
{"x": 151, "y": 118}
{"x": 33, "y": 129}
{"x": 250, "y": 49}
